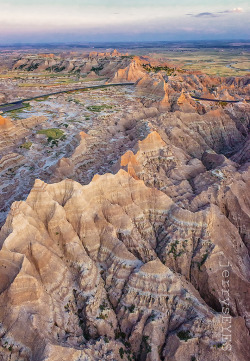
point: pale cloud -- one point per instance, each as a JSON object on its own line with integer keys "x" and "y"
{"x": 235, "y": 10}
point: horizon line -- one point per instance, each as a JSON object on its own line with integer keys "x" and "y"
{"x": 121, "y": 42}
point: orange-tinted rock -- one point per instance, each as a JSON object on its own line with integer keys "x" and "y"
{"x": 5, "y": 123}
{"x": 133, "y": 72}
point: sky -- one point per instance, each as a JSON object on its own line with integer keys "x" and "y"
{"x": 37, "y": 21}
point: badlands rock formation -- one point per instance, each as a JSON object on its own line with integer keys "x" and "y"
{"x": 11, "y": 132}
{"x": 171, "y": 87}
{"x": 134, "y": 246}
{"x": 12, "y": 135}
{"x": 101, "y": 63}
{"x": 81, "y": 267}
{"x": 133, "y": 72}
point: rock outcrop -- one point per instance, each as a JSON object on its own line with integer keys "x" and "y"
{"x": 132, "y": 73}
{"x": 5, "y": 123}
{"x": 13, "y": 132}
{"x": 134, "y": 242}
{"x": 88, "y": 256}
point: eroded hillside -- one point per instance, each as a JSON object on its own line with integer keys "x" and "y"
{"x": 126, "y": 246}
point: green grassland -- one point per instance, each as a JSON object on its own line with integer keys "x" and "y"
{"x": 52, "y": 133}
{"x": 99, "y": 108}
{"x": 221, "y": 62}
{"x": 214, "y": 63}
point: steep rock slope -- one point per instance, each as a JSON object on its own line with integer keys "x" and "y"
{"x": 80, "y": 267}
{"x": 215, "y": 191}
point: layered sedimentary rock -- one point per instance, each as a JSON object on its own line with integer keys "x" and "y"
{"x": 13, "y": 132}
{"x": 150, "y": 263}
{"x": 100, "y": 148}
{"x": 133, "y": 72}
{"x": 66, "y": 167}
{"x": 172, "y": 91}
{"x": 154, "y": 87}
{"x": 88, "y": 256}
{"x": 11, "y": 160}
{"x": 211, "y": 182}
{"x": 100, "y": 63}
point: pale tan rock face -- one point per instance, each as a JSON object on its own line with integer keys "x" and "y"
{"x": 87, "y": 262}
{"x": 13, "y": 132}
{"x": 154, "y": 164}
{"x": 67, "y": 166}
{"x": 133, "y": 72}
{"x": 156, "y": 89}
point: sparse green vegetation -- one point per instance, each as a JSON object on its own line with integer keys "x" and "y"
{"x": 42, "y": 99}
{"x": 96, "y": 69}
{"x": 222, "y": 104}
{"x": 127, "y": 56}
{"x": 121, "y": 352}
{"x": 32, "y": 67}
{"x": 131, "y": 308}
{"x": 219, "y": 345}
{"x": 66, "y": 307}
{"x": 184, "y": 335}
{"x": 53, "y": 135}
{"x": 173, "y": 249}
{"x": 76, "y": 101}
{"x": 121, "y": 335}
{"x": 7, "y": 347}
{"x": 102, "y": 316}
{"x": 145, "y": 345}
{"x": 203, "y": 260}
{"x": 98, "y": 108}
{"x": 212, "y": 88}
{"x": 75, "y": 71}
{"x": 56, "y": 68}
{"x": 26, "y": 145}
{"x": 155, "y": 69}
{"x": 11, "y": 171}
{"x": 103, "y": 306}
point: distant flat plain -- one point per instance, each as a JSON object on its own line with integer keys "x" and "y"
{"x": 221, "y": 62}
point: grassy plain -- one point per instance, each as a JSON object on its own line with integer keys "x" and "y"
{"x": 222, "y": 62}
